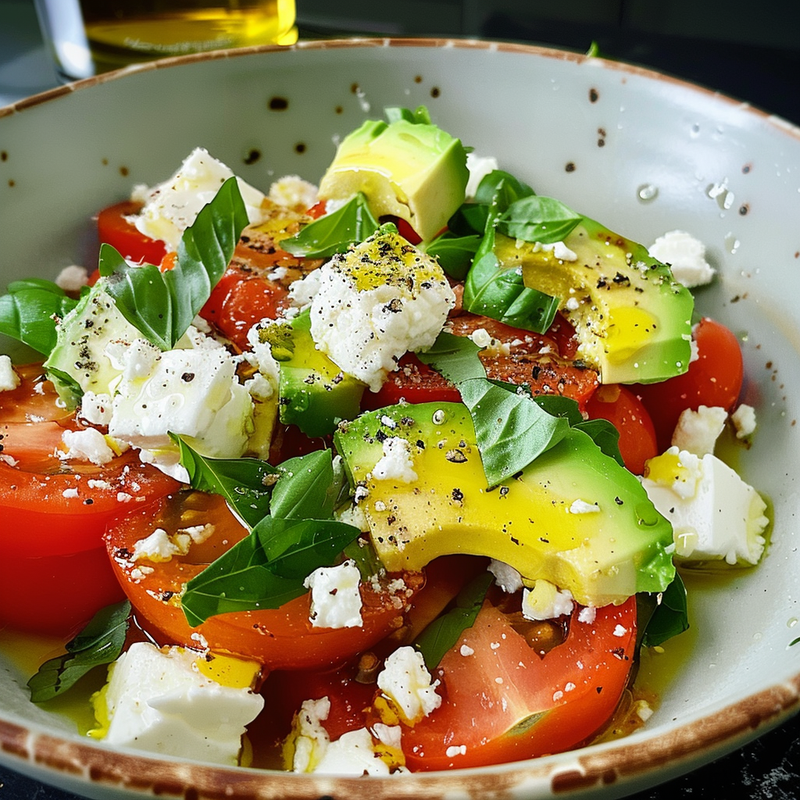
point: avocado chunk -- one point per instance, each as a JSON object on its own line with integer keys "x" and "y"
{"x": 82, "y": 337}
{"x": 573, "y": 517}
{"x": 633, "y": 320}
{"x": 313, "y": 392}
{"x": 414, "y": 171}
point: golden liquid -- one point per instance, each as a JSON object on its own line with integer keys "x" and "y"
{"x": 133, "y": 31}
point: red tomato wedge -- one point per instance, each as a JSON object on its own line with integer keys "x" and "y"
{"x": 502, "y": 701}
{"x": 113, "y": 228}
{"x": 279, "y": 638}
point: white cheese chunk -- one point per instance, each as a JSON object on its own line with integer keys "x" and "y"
{"x": 72, "y": 278}
{"x": 686, "y": 256}
{"x": 714, "y": 513}
{"x": 158, "y": 701}
{"x": 396, "y": 463}
{"x": 9, "y": 379}
{"x": 744, "y": 421}
{"x": 405, "y": 680}
{"x": 96, "y": 407}
{"x": 545, "y": 601}
{"x": 335, "y": 596}
{"x": 87, "y": 445}
{"x": 291, "y": 191}
{"x": 479, "y": 167}
{"x": 172, "y": 206}
{"x": 505, "y": 576}
{"x": 353, "y": 753}
{"x": 698, "y": 431}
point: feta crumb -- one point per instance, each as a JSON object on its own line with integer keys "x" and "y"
{"x": 159, "y": 546}
{"x": 479, "y": 167}
{"x": 545, "y": 601}
{"x": 559, "y": 250}
{"x": 72, "y": 278}
{"x": 335, "y": 596}
{"x": 698, "y": 431}
{"x": 744, "y": 421}
{"x": 396, "y": 463}
{"x": 584, "y": 507}
{"x": 686, "y": 257}
{"x": 9, "y": 380}
{"x": 291, "y": 191}
{"x": 456, "y": 750}
{"x": 96, "y": 407}
{"x": 587, "y": 615}
{"x": 407, "y": 683}
{"x": 353, "y": 753}
{"x": 69, "y": 493}
{"x": 466, "y": 651}
{"x": 505, "y": 576}
{"x": 620, "y": 631}
{"x": 87, "y": 445}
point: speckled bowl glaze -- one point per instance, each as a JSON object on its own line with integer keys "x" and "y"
{"x": 640, "y": 151}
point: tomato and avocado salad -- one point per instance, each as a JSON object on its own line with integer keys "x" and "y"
{"x": 390, "y": 475}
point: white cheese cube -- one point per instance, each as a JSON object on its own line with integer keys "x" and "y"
{"x": 172, "y": 206}
{"x": 714, "y": 514}
{"x": 479, "y": 167}
{"x": 545, "y": 601}
{"x": 335, "y": 596}
{"x": 505, "y": 576}
{"x": 9, "y": 379}
{"x": 87, "y": 445}
{"x": 686, "y": 256}
{"x": 744, "y": 421}
{"x": 159, "y": 701}
{"x": 405, "y": 680}
{"x": 698, "y": 431}
{"x": 396, "y": 463}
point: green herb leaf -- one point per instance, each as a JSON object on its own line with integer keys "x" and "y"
{"x": 420, "y": 115}
{"x": 100, "y": 642}
{"x": 162, "y": 305}
{"x": 604, "y": 435}
{"x": 30, "y": 310}
{"x": 445, "y": 631}
{"x": 662, "y": 620}
{"x": 308, "y": 487}
{"x": 334, "y": 232}
{"x": 245, "y": 483}
{"x": 454, "y": 253}
{"x": 511, "y": 430}
{"x": 501, "y": 185}
{"x": 538, "y": 219}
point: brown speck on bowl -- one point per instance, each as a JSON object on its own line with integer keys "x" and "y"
{"x": 278, "y": 104}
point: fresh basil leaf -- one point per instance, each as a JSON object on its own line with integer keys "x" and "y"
{"x": 30, "y": 311}
{"x": 162, "y": 305}
{"x": 510, "y": 429}
{"x": 100, "y": 642}
{"x": 510, "y": 188}
{"x": 560, "y": 406}
{"x": 295, "y": 548}
{"x": 69, "y": 390}
{"x": 445, "y": 631}
{"x": 454, "y": 253}
{"x": 335, "y": 232}
{"x": 469, "y": 219}
{"x": 664, "y": 617}
{"x": 245, "y": 483}
{"x": 420, "y": 115}
{"x": 538, "y": 219}
{"x": 363, "y": 553}
{"x": 308, "y": 487}
{"x": 604, "y": 435}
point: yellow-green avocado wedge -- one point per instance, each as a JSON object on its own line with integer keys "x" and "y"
{"x": 413, "y": 171}
{"x": 633, "y": 320}
{"x": 542, "y": 522}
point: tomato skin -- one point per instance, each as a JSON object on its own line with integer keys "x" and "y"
{"x": 637, "y": 434}
{"x": 281, "y": 638}
{"x": 566, "y": 696}
{"x": 714, "y": 379}
{"x": 113, "y": 228}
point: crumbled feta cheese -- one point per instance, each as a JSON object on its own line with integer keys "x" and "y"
{"x": 559, "y": 250}
{"x": 173, "y": 206}
{"x": 159, "y": 546}
{"x": 685, "y": 255}
{"x": 587, "y": 615}
{"x": 744, "y": 421}
{"x": 160, "y": 701}
{"x": 698, "y": 431}
{"x": 479, "y": 167}
{"x": 87, "y": 445}
{"x": 380, "y": 300}
{"x": 353, "y": 753}
{"x": 456, "y": 750}
{"x": 583, "y": 507}
{"x": 407, "y": 683}
{"x": 466, "y": 651}
{"x": 309, "y": 740}
{"x": 9, "y": 380}
{"x": 292, "y": 191}
{"x": 72, "y": 278}
{"x": 545, "y": 601}
{"x": 505, "y": 576}
{"x": 714, "y": 513}
{"x": 396, "y": 463}
{"x": 96, "y": 407}
{"x": 335, "y": 596}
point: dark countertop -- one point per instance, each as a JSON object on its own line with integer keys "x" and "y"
{"x": 767, "y": 77}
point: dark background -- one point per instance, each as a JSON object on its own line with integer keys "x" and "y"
{"x": 750, "y": 51}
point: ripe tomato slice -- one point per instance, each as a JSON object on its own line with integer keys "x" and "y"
{"x": 53, "y": 570}
{"x": 113, "y": 228}
{"x": 279, "y": 638}
{"x": 714, "y": 379}
{"x": 503, "y": 702}
{"x": 637, "y": 435}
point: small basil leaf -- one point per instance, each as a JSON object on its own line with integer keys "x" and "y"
{"x": 245, "y": 483}
{"x": 100, "y": 642}
{"x": 295, "y": 548}
{"x": 538, "y": 219}
{"x": 162, "y": 305}
{"x": 420, "y": 115}
{"x": 307, "y": 487}
{"x": 363, "y": 553}
{"x": 469, "y": 219}
{"x": 335, "y": 232}
{"x": 604, "y": 435}
{"x": 666, "y": 617}
{"x": 30, "y": 310}
{"x": 445, "y": 631}
{"x": 454, "y": 253}
{"x": 499, "y": 180}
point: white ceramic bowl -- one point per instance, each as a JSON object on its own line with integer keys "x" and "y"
{"x": 601, "y": 136}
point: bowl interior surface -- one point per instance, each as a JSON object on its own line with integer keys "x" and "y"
{"x": 643, "y": 153}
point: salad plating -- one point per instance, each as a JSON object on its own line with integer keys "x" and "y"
{"x": 394, "y": 474}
